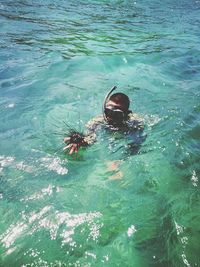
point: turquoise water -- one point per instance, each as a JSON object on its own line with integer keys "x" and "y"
{"x": 58, "y": 60}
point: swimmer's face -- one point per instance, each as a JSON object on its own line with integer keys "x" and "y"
{"x": 114, "y": 113}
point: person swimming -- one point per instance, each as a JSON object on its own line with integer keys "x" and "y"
{"x": 116, "y": 117}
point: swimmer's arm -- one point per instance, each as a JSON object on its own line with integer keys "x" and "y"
{"x": 73, "y": 143}
{"x": 136, "y": 121}
{"x": 77, "y": 140}
{"x": 73, "y": 148}
{"x": 92, "y": 127}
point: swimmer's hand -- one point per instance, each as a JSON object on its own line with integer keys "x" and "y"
{"x": 74, "y": 142}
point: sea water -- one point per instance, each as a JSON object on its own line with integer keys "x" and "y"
{"x": 102, "y": 206}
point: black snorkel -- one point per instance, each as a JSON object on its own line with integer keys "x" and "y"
{"x": 106, "y": 100}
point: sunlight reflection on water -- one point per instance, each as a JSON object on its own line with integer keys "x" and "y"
{"x": 51, "y": 220}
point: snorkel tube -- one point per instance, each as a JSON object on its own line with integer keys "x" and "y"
{"x": 106, "y": 100}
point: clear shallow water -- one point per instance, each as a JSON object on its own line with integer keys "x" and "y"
{"x": 58, "y": 59}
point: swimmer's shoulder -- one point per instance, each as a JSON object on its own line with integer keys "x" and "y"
{"x": 135, "y": 117}
{"x": 136, "y": 121}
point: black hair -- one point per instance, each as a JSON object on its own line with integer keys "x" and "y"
{"x": 121, "y": 99}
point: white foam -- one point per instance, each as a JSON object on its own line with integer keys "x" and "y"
{"x": 151, "y": 120}
{"x": 47, "y": 191}
{"x": 131, "y": 230}
{"x": 194, "y": 178}
{"x": 11, "y": 105}
{"x": 6, "y": 161}
{"x": 54, "y": 164}
{"x": 49, "y": 219}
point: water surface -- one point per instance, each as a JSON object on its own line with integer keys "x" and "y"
{"x": 58, "y": 60}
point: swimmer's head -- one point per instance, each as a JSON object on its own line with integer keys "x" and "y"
{"x": 116, "y": 108}
{"x": 120, "y": 100}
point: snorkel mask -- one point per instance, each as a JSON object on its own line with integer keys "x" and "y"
{"x": 116, "y": 115}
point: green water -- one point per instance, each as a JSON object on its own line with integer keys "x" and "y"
{"x": 58, "y": 60}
